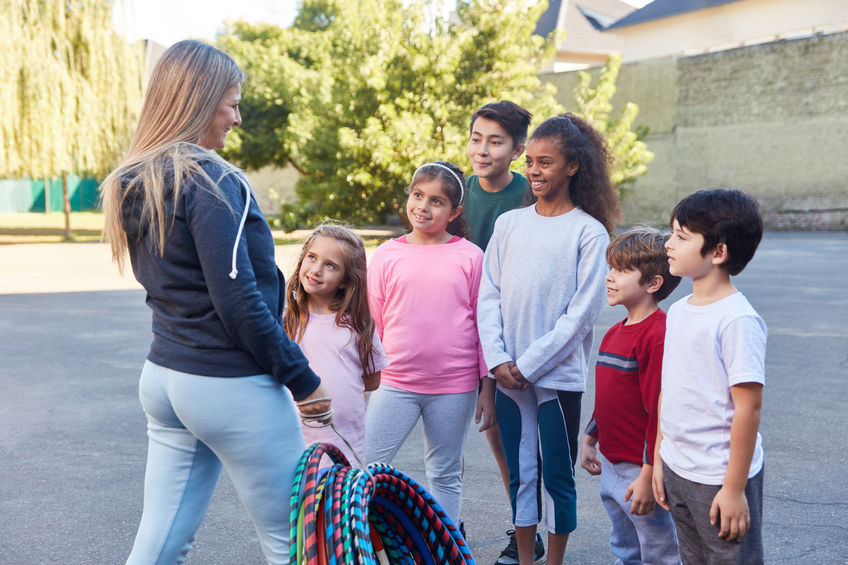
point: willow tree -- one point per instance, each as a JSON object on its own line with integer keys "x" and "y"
{"x": 70, "y": 89}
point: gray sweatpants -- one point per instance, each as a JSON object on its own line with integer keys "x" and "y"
{"x": 699, "y": 542}
{"x": 392, "y": 414}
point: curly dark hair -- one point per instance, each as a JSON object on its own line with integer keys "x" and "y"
{"x": 590, "y": 188}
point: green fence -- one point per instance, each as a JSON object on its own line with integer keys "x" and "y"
{"x": 27, "y": 195}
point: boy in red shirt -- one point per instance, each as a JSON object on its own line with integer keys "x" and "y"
{"x": 627, "y": 387}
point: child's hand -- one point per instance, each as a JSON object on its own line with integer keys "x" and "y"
{"x": 372, "y": 381}
{"x": 732, "y": 508}
{"x": 518, "y": 376}
{"x": 657, "y": 484}
{"x": 589, "y": 456}
{"x": 642, "y": 492}
{"x": 503, "y": 374}
{"x": 486, "y": 405}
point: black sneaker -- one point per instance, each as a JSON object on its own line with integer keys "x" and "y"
{"x": 539, "y": 549}
{"x": 462, "y": 531}
{"x": 509, "y": 556}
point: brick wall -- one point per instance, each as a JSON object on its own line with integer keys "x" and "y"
{"x": 771, "y": 119}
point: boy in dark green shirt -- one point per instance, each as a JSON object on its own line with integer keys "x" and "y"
{"x": 498, "y": 133}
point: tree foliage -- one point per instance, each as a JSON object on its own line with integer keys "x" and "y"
{"x": 358, "y": 94}
{"x": 630, "y": 153}
{"x": 265, "y": 54}
{"x": 70, "y": 88}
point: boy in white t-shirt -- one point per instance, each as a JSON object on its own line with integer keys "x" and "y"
{"x": 708, "y": 467}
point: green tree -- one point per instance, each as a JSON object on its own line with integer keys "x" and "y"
{"x": 631, "y": 155}
{"x": 274, "y": 78}
{"x": 418, "y": 85}
{"x": 70, "y": 90}
{"x": 365, "y": 91}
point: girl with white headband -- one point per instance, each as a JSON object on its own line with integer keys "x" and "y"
{"x": 422, "y": 291}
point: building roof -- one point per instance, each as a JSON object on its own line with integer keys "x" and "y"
{"x": 585, "y": 20}
{"x": 659, "y": 9}
{"x": 548, "y": 20}
{"x": 582, "y": 21}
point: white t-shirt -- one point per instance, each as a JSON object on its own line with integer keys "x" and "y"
{"x": 708, "y": 349}
{"x": 333, "y": 355}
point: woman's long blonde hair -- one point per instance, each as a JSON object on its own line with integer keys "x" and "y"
{"x": 183, "y": 95}
{"x": 351, "y": 301}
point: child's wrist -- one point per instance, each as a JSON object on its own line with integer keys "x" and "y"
{"x": 732, "y": 488}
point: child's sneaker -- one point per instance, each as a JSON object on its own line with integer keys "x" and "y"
{"x": 539, "y": 549}
{"x": 509, "y": 556}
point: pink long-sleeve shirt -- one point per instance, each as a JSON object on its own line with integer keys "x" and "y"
{"x": 423, "y": 300}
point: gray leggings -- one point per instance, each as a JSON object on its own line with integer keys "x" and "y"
{"x": 392, "y": 414}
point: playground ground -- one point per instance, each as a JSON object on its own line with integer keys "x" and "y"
{"x": 73, "y": 443}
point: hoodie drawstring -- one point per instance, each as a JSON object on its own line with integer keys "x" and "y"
{"x": 234, "y": 272}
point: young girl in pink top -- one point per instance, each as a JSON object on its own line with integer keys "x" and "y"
{"x": 422, "y": 288}
{"x": 327, "y": 315}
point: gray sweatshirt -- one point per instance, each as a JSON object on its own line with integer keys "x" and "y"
{"x": 541, "y": 292}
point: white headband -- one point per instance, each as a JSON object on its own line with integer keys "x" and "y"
{"x": 458, "y": 181}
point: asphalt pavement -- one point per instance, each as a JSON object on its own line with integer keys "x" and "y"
{"x": 73, "y": 443}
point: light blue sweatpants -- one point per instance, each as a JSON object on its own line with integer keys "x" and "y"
{"x": 649, "y": 538}
{"x": 392, "y": 414}
{"x": 194, "y": 425}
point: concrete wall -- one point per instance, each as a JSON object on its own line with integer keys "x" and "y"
{"x": 771, "y": 119}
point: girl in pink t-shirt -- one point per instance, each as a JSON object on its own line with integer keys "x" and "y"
{"x": 327, "y": 315}
{"x": 422, "y": 288}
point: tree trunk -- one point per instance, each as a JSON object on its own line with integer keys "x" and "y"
{"x": 46, "y": 195}
{"x": 67, "y": 200}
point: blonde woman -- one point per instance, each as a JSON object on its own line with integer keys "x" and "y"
{"x": 200, "y": 246}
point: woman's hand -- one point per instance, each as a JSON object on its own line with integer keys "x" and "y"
{"x": 316, "y": 403}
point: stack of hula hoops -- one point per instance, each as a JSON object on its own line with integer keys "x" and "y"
{"x": 374, "y": 516}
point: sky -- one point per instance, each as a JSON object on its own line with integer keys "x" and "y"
{"x": 169, "y": 21}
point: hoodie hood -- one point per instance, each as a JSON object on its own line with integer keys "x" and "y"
{"x": 136, "y": 227}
